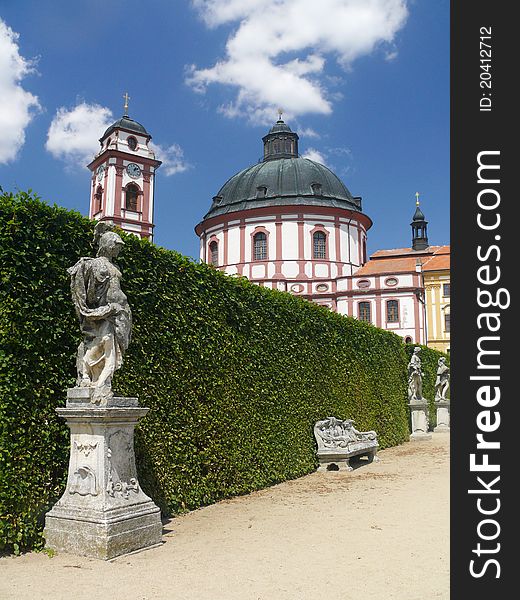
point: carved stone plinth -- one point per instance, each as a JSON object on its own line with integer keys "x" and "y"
{"x": 419, "y": 420}
{"x": 443, "y": 415}
{"x": 103, "y": 512}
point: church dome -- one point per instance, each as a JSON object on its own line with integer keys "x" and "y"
{"x": 128, "y": 124}
{"x": 283, "y": 182}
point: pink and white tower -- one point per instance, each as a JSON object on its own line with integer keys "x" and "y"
{"x": 123, "y": 177}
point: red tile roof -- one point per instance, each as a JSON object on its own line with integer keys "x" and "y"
{"x": 404, "y": 260}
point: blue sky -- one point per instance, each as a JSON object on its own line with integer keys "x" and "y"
{"x": 364, "y": 83}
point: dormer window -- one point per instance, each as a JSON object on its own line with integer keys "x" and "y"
{"x": 217, "y": 199}
{"x": 132, "y": 142}
{"x": 109, "y": 141}
{"x": 316, "y": 189}
{"x": 261, "y": 191}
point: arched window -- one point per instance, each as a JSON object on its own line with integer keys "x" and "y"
{"x": 260, "y": 246}
{"x": 408, "y": 340}
{"x": 131, "y": 196}
{"x": 319, "y": 245}
{"x": 392, "y": 311}
{"x": 132, "y": 142}
{"x": 98, "y": 199}
{"x": 364, "y": 313}
{"x": 213, "y": 253}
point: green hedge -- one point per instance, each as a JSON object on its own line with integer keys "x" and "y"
{"x": 235, "y": 375}
{"x": 429, "y": 364}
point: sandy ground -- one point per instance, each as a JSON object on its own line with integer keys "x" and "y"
{"x": 380, "y": 532}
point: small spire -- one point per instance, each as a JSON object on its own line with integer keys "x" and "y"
{"x": 416, "y": 198}
{"x": 280, "y": 113}
{"x": 127, "y": 98}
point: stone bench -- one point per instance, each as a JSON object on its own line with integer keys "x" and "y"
{"x": 338, "y": 441}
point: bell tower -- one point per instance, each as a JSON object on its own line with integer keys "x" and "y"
{"x": 123, "y": 177}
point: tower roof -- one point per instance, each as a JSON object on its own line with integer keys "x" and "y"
{"x": 282, "y": 178}
{"x": 279, "y": 126}
{"x": 418, "y": 215}
{"x": 283, "y": 182}
{"x": 125, "y": 122}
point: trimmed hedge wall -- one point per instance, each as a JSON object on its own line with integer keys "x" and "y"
{"x": 235, "y": 375}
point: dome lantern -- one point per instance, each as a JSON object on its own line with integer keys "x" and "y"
{"x": 281, "y": 141}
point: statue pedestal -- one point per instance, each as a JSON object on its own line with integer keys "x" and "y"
{"x": 103, "y": 512}
{"x": 419, "y": 420}
{"x": 443, "y": 415}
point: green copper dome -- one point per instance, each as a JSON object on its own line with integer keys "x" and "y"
{"x": 283, "y": 182}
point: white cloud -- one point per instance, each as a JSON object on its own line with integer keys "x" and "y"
{"x": 315, "y": 155}
{"x": 17, "y": 106}
{"x": 74, "y": 134}
{"x": 172, "y": 157}
{"x": 277, "y": 54}
{"x": 307, "y": 132}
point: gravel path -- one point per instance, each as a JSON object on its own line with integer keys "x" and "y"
{"x": 380, "y": 532}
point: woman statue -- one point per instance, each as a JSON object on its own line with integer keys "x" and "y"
{"x": 442, "y": 383}
{"x": 104, "y": 314}
{"x": 415, "y": 376}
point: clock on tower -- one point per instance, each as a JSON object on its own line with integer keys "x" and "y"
{"x": 123, "y": 177}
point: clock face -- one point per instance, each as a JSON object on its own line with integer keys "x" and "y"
{"x": 133, "y": 170}
{"x": 100, "y": 171}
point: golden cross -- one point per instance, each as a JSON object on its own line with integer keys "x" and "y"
{"x": 280, "y": 113}
{"x": 127, "y": 98}
{"x": 417, "y": 198}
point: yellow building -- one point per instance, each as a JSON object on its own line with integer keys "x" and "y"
{"x": 436, "y": 274}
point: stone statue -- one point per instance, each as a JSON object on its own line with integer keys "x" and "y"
{"x": 335, "y": 433}
{"x": 104, "y": 314}
{"x": 339, "y": 441}
{"x": 415, "y": 376}
{"x": 442, "y": 383}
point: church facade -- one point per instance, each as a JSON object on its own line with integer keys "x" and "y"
{"x": 289, "y": 223}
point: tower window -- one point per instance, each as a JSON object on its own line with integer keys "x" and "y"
{"x": 131, "y": 195}
{"x": 260, "y": 246}
{"x": 98, "y": 199}
{"x": 319, "y": 242}
{"x": 392, "y": 311}
{"x": 213, "y": 254}
{"x": 132, "y": 143}
{"x": 364, "y": 312}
